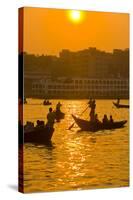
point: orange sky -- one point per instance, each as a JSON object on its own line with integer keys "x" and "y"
{"x": 48, "y": 31}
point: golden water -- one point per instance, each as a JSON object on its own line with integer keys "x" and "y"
{"x": 77, "y": 160}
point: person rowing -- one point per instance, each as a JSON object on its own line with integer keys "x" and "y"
{"x": 58, "y": 106}
{"x": 92, "y": 112}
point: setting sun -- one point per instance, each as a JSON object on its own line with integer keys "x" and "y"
{"x": 75, "y": 15}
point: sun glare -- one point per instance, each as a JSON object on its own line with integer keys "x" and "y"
{"x": 75, "y": 16}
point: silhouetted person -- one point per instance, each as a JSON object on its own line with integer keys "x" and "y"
{"x": 96, "y": 120}
{"x": 50, "y": 118}
{"x": 105, "y": 119}
{"x": 58, "y": 106}
{"x": 92, "y": 112}
{"x": 111, "y": 119}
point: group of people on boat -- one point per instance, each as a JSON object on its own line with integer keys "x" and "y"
{"x": 94, "y": 116}
{"x": 46, "y": 102}
{"x": 51, "y": 116}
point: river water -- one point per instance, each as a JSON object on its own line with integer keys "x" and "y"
{"x": 77, "y": 160}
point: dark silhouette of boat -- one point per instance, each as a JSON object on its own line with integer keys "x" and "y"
{"x": 59, "y": 115}
{"x": 41, "y": 136}
{"x": 120, "y": 105}
{"x": 46, "y": 103}
{"x": 93, "y": 127}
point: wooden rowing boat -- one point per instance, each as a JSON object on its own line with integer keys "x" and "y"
{"x": 47, "y": 103}
{"x": 37, "y": 135}
{"x": 59, "y": 115}
{"x": 93, "y": 127}
{"x": 120, "y": 105}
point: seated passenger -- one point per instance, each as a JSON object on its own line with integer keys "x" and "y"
{"x": 29, "y": 126}
{"x": 40, "y": 124}
{"x": 105, "y": 119}
{"x": 96, "y": 120}
{"x": 111, "y": 119}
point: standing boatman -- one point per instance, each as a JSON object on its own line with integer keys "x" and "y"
{"x": 50, "y": 118}
{"x": 58, "y": 107}
{"x": 92, "y": 112}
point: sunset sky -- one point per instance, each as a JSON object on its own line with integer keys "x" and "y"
{"x": 48, "y": 31}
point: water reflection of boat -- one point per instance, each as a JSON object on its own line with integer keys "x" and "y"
{"x": 36, "y": 135}
{"x": 120, "y": 105}
{"x": 93, "y": 127}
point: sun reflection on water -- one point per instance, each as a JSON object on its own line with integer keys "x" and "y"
{"x": 76, "y": 160}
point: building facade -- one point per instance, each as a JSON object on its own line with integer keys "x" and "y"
{"x": 80, "y": 88}
{"x": 91, "y": 72}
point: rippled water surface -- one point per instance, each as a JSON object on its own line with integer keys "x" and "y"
{"x": 77, "y": 160}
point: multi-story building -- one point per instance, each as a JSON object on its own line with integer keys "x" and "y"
{"x": 95, "y": 63}
{"x": 81, "y": 88}
{"x": 92, "y": 73}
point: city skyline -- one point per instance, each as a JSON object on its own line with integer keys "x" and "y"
{"x": 76, "y": 51}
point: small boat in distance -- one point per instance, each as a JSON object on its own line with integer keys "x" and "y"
{"x": 46, "y": 103}
{"x": 85, "y": 125}
{"x": 120, "y": 105}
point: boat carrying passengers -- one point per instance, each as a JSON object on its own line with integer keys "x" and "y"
{"x": 41, "y": 124}
{"x": 94, "y": 116}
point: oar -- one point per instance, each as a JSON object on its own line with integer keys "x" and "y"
{"x": 80, "y": 116}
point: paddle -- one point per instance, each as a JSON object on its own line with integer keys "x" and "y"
{"x": 80, "y": 116}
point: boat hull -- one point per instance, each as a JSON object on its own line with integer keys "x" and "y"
{"x": 42, "y": 136}
{"x": 47, "y": 104}
{"x": 59, "y": 115}
{"x": 120, "y": 105}
{"x": 93, "y": 127}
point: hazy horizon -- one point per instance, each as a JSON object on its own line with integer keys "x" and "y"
{"x": 78, "y": 50}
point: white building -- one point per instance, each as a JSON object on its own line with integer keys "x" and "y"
{"x": 81, "y": 88}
